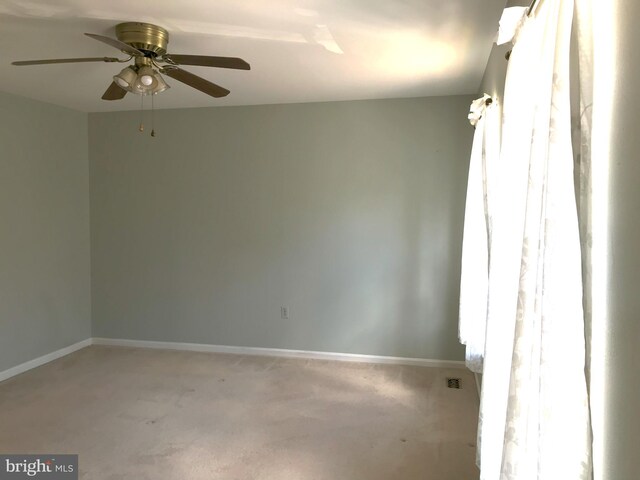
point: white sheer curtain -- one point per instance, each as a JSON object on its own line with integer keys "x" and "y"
{"x": 534, "y": 415}
{"x": 584, "y": 38}
{"x": 474, "y": 283}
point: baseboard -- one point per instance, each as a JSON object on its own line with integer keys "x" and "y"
{"x": 278, "y": 352}
{"x": 478, "y": 380}
{"x": 198, "y": 347}
{"x": 49, "y": 357}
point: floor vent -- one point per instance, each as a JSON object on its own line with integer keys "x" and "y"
{"x": 454, "y": 383}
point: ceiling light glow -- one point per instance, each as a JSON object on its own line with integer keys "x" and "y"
{"x": 412, "y": 54}
{"x": 146, "y": 80}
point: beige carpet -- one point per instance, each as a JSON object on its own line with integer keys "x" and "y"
{"x": 139, "y": 414}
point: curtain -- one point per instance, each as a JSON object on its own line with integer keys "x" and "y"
{"x": 582, "y": 127}
{"x": 592, "y": 198}
{"x": 474, "y": 283}
{"x": 534, "y": 414}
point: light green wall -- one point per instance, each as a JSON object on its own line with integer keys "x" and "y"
{"x": 44, "y": 233}
{"x": 495, "y": 74}
{"x": 349, "y": 213}
{"x": 622, "y": 330}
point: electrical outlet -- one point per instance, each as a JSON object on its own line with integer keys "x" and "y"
{"x": 284, "y": 313}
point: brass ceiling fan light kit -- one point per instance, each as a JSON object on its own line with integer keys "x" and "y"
{"x": 146, "y": 45}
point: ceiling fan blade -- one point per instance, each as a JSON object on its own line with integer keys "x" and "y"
{"x": 114, "y": 92}
{"x": 206, "y": 61}
{"x": 196, "y": 82}
{"x": 117, "y": 44}
{"x": 64, "y": 60}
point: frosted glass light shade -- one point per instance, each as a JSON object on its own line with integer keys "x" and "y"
{"x": 143, "y": 80}
{"x": 126, "y": 78}
{"x": 162, "y": 85}
{"x": 146, "y": 80}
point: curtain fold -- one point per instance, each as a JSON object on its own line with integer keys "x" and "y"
{"x": 474, "y": 283}
{"x": 534, "y": 412}
{"x": 589, "y": 216}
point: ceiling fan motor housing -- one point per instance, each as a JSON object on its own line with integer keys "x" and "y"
{"x": 144, "y": 36}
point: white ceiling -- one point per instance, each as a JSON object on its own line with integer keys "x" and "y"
{"x": 299, "y": 50}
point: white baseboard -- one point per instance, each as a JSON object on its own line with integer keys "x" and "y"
{"x": 278, "y": 352}
{"x": 36, "y": 362}
{"x": 478, "y": 380}
{"x": 198, "y": 347}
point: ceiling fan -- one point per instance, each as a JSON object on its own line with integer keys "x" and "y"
{"x": 146, "y": 44}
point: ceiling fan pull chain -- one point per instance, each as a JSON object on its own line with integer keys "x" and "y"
{"x": 141, "y": 128}
{"x": 153, "y": 132}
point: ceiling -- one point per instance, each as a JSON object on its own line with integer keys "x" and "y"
{"x": 299, "y": 50}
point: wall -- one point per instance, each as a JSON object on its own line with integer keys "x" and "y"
{"x": 44, "y": 236}
{"x": 348, "y": 213}
{"x": 496, "y": 71}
